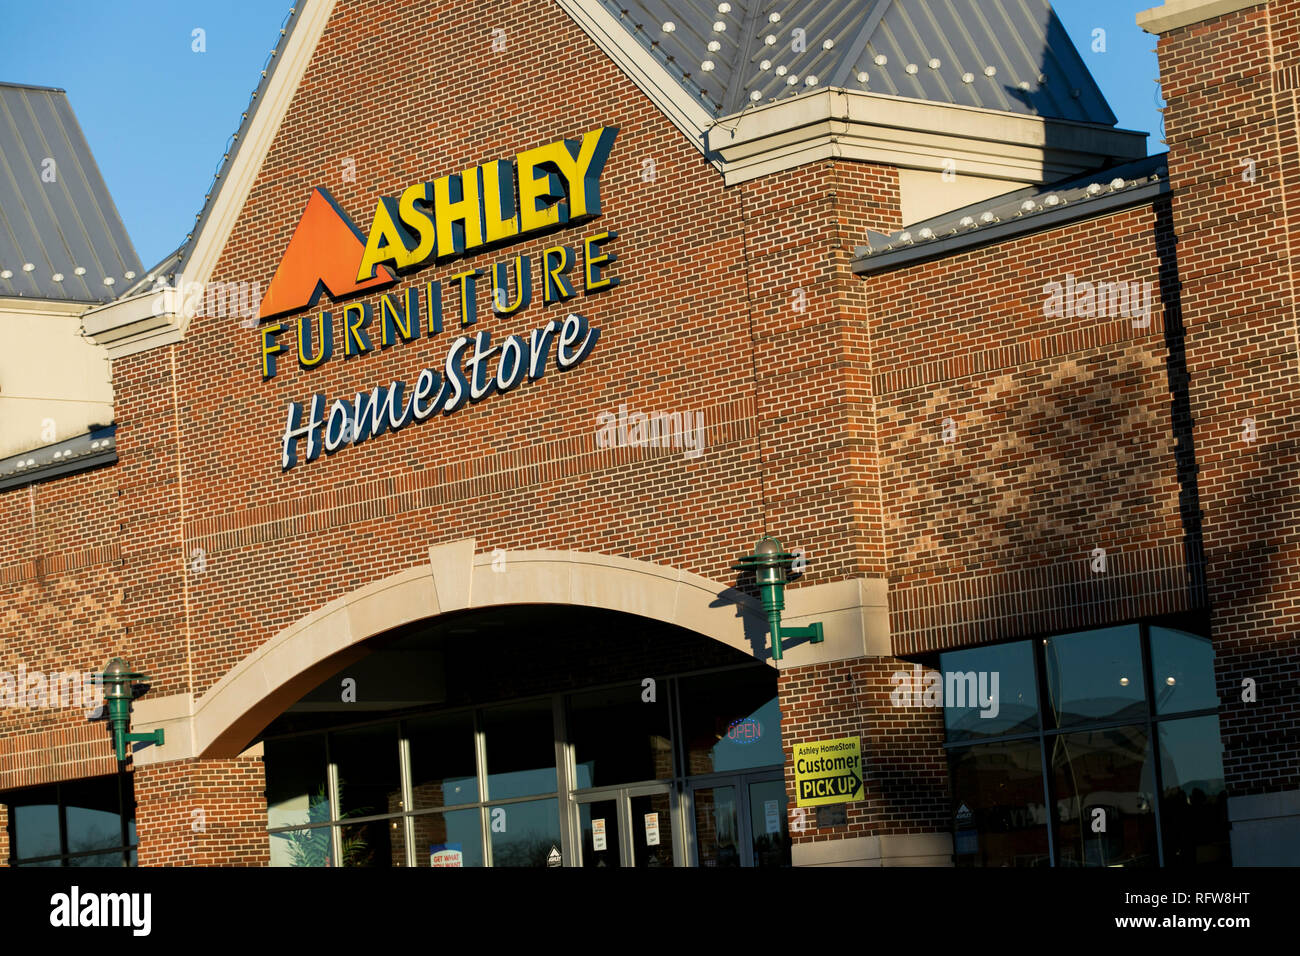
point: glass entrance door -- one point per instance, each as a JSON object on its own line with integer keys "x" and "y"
{"x": 628, "y": 826}
{"x": 740, "y": 820}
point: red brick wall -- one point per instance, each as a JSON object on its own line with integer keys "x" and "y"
{"x": 906, "y": 789}
{"x": 1230, "y": 85}
{"x": 60, "y": 614}
{"x": 202, "y": 813}
{"x": 824, "y": 396}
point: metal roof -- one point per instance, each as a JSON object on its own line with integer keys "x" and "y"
{"x": 1010, "y": 55}
{"x": 96, "y": 447}
{"x": 1024, "y": 211}
{"x": 60, "y": 235}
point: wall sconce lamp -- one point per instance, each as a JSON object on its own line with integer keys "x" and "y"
{"x": 119, "y": 682}
{"x": 771, "y": 566}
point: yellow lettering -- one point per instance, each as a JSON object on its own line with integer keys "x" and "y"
{"x": 270, "y": 348}
{"x": 457, "y": 212}
{"x": 499, "y": 219}
{"x": 419, "y": 221}
{"x": 593, "y": 259}
{"x": 384, "y": 244}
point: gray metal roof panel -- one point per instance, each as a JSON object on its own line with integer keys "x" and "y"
{"x": 1018, "y": 213}
{"x": 66, "y": 226}
{"x": 1010, "y": 55}
{"x": 95, "y": 448}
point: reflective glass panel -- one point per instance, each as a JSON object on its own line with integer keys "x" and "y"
{"x": 984, "y": 692}
{"x": 767, "y": 823}
{"x": 451, "y": 839}
{"x": 442, "y": 760}
{"x": 1194, "y": 806}
{"x": 1095, "y": 675}
{"x": 1183, "y": 671}
{"x": 375, "y": 843}
{"x": 652, "y": 830}
{"x": 92, "y": 817}
{"x": 618, "y": 737}
{"x": 999, "y": 813}
{"x": 1105, "y": 789}
{"x": 369, "y": 771}
{"x": 598, "y": 822}
{"x": 301, "y": 848}
{"x": 296, "y": 792}
{"x": 114, "y": 858}
{"x": 731, "y": 720}
{"x": 717, "y": 826}
{"x": 525, "y": 834}
{"x": 34, "y": 816}
{"x": 520, "y": 750}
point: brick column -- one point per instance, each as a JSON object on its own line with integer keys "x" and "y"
{"x": 202, "y": 813}
{"x": 903, "y": 818}
{"x": 1228, "y": 73}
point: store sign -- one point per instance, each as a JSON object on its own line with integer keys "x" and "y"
{"x": 746, "y": 731}
{"x": 828, "y": 771}
{"x": 446, "y": 854}
{"x": 552, "y": 186}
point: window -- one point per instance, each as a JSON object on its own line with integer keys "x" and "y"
{"x": 88, "y": 822}
{"x": 484, "y": 785}
{"x": 1097, "y": 748}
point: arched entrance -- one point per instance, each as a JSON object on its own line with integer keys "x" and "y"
{"x": 387, "y": 716}
{"x": 226, "y": 718}
{"x": 532, "y": 735}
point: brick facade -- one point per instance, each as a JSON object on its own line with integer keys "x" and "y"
{"x": 825, "y": 397}
{"x": 1231, "y": 104}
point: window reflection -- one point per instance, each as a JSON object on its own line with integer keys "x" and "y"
{"x": 1102, "y": 779}
{"x": 1194, "y": 806}
{"x": 1007, "y": 672}
{"x": 1096, "y": 675}
{"x": 1105, "y": 787}
{"x": 618, "y": 737}
{"x": 524, "y": 834}
{"x": 442, "y": 760}
{"x": 1183, "y": 671}
{"x": 997, "y": 805}
{"x": 731, "y": 721}
{"x": 520, "y": 749}
{"x": 73, "y": 823}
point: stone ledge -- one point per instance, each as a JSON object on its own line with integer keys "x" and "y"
{"x": 1176, "y": 14}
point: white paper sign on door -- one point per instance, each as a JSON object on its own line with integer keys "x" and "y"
{"x": 598, "y": 835}
{"x": 772, "y": 815}
{"x": 652, "y": 829}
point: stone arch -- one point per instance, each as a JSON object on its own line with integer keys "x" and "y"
{"x": 268, "y": 680}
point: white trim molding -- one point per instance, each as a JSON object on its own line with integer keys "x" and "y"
{"x": 913, "y": 134}
{"x": 259, "y": 687}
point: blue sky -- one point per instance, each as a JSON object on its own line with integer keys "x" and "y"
{"x": 158, "y": 115}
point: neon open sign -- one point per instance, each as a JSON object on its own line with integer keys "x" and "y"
{"x": 745, "y": 731}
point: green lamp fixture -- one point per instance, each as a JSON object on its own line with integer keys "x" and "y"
{"x": 119, "y": 683}
{"x": 771, "y": 566}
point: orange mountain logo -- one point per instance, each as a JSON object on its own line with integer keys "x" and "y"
{"x": 324, "y": 253}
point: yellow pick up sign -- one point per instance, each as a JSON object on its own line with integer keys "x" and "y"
{"x": 828, "y": 771}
